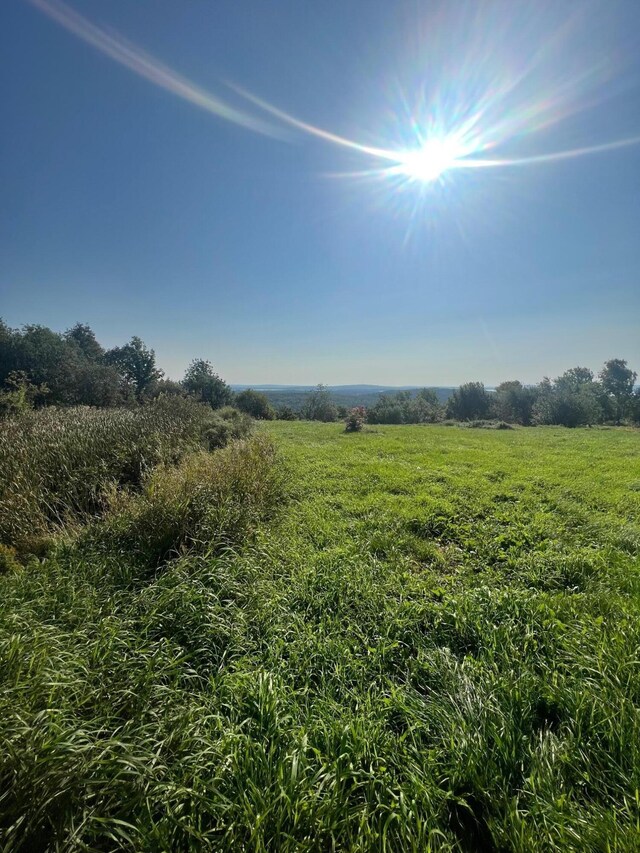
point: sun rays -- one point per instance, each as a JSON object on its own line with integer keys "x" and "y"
{"x": 500, "y": 111}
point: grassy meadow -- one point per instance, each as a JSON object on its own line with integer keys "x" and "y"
{"x": 404, "y": 639}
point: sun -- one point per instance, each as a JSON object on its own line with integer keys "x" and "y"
{"x": 428, "y": 163}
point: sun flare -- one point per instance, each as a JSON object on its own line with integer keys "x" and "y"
{"x": 429, "y": 162}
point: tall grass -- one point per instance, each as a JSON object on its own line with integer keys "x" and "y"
{"x": 105, "y": 663}
{"x": 208, "y": 503}
{"x": 60, "y": 466}
{"x": 434, "y": 647}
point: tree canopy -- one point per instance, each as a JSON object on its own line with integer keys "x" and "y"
{"x": 204, "y": 383}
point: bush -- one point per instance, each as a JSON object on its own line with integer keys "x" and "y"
{"x": 207, "y": 503}
{"x": 223, "y": 425}
{"x": 404, "y": 407}
{"x": 255, "y": 404}
{"x": 8, "y": 560}
{"x": 20, "y": 394}
{"x": 355, "y": 419}
{"x": 385, "y": 412}
{"x": 286, "y": 413}
{"x": 60, "y": 466}
{"x": 469, "y": 402}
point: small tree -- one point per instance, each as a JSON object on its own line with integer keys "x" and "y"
{"x": 468, "y": 402}
{"x": 319, "y": 406}
{"x": 48, "y": 359}
{"x": 136, "y": 364}
{"x": 425, "y": 408}
{"x": 205, "y": 385}
{"x": 514, "y": 403}
{"x": 617, "y": 381}
{"x": 98, "y": 385}
{"x": 255, "y": 404}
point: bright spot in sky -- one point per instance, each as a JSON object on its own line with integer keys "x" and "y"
{"x": 429, "y": 162}
{"x": 479, "y": 111}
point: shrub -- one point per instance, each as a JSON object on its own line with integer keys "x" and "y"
{"x": 223, "y": 425}
{"x": 255, "y": 404}
{"x": 405, "y": 407}
{"x": 286, "y": 413}
{"x": 20, "y": 394}
{"x": 634, "y": 408}
{"x": 8, "y": 560}
{"x": 355, "y": 419}
{"x": 484, "y": 424}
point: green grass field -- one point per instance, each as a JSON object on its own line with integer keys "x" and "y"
{"x": 425, "y": 638}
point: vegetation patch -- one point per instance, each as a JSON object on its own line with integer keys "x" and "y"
{"x": 414, "y": 639}
{"x": 62, "y": 467}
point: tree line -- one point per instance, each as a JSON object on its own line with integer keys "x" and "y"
{"x": 40, "y": 367}
{"x": 576, "y": 398}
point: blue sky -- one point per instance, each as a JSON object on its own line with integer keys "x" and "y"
{"x": 285, "y": 257}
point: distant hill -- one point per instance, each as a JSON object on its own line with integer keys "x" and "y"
{"x": 343, "y": 395}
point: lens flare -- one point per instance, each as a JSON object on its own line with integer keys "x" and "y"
{"x": 147, "y": 66}
{"x": 430, "y": 161}
{"x": 475, "y": 107}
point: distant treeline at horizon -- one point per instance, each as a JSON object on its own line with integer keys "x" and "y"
{"x": 40, "y": 367}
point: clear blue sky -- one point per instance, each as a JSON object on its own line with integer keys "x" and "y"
{"x": 129, "y": 206}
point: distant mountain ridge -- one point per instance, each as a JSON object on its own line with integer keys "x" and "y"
{"x": 295, "y": 396}
{"x": 345, "y": 389}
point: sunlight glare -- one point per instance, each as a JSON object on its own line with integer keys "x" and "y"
{"x": 428, "y": 163}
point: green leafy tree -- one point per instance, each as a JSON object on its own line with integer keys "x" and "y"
{"x": 319, "y": 405}
{"x": 514, "y": 402}
{"x": 255, "y": 404}
{"x": 575, "y": 379}
{"x": 404, "y": 407}
{"x": 69, "y": 365}
{"x": 469, "y": 402}
{"x": 425, "y": 407}
{"x": 98, "y": 385}
{"x": 205, "y": 385}
{"x": 47, "y": 359}
{"x": 166, "y": 388}
{"x": 571, "y": 400}
{"x": 136, "y": 364}
{"x": 617, "y": 381}
{"x": 8, "y": 362}
{"x": 84, "y": 338}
